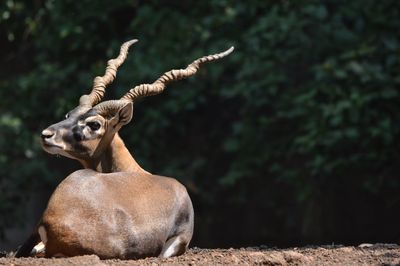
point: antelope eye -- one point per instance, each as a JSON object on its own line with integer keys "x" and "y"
{"x": 93, "y": 125}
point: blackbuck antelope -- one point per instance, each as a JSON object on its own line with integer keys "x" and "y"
{"x": 113, "y": 208}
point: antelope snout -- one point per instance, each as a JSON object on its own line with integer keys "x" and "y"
{"x": 50, "y": 141}
{"x": 47, "y": 133}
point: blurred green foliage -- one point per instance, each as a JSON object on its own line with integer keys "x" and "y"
{"x": 294, "y": 138}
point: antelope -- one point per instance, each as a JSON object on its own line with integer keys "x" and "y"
{"x": 113, "y": 207}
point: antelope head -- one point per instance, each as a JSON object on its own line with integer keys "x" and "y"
{"x": 85, "y": 132}
{"x": 88, "y": 129}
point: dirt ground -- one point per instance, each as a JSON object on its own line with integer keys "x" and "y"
{"x": 366, "y": 254}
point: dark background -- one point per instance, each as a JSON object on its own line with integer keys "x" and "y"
{"x": 291, "y": 140}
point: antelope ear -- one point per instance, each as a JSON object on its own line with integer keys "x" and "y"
{"x": 123, "y": 115}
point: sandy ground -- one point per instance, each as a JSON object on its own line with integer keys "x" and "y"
{"x": 366, "y": 254}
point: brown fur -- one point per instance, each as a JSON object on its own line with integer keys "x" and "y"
{"x": 122, "y": 215}
{"x": 114, "y": 208}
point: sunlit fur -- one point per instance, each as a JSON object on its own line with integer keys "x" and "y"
{"x": 114, "y": 208}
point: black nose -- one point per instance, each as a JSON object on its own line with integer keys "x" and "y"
{"x": 46, "y": 134}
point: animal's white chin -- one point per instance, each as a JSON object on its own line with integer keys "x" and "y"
{"x": 53, "y": 148}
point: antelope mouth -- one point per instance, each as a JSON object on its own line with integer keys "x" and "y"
{"x": 52, "y": 148}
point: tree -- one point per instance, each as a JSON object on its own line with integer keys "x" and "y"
{"x": 292, "y": 139}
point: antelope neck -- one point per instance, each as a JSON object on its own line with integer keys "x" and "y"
{"x": 116, "y": 158}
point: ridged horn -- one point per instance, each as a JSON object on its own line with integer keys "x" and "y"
{"x": 176, "y": 74}
{"x": 100, "y": 82}
{"x": 110, "y": 107}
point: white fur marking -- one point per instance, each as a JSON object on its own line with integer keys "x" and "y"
{"x": 43, "y": 234}
{"x": 39, "y": 248}
{"x": 171, "y": 249}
